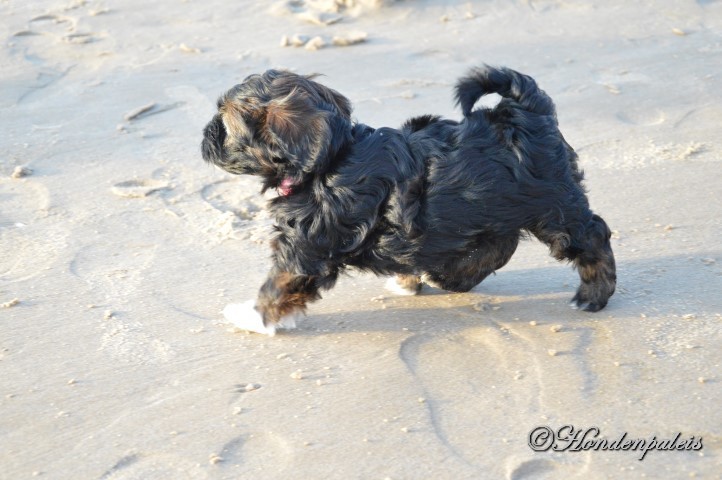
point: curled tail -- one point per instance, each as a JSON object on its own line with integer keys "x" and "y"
{"x": 507, "y": 83}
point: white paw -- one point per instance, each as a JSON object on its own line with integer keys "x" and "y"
{"x": 246, "y": 317}
{"x": 288, "y": 322}
{"x": 393, "y": 286}
{"x": 426, "y": 278}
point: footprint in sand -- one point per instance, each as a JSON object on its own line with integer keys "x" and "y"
{"x": 190, "y": 100}
{"x": 533, "y": 469}
{"x": 139, "y": 188}
{"x": 642, "y": 117}
{"x": 243, "y": 214}
{"x": 542, "y": 468}
{"x": 30, "y": 243}
{"x": 113, "y": 270}
{"x": 257, "y": 452}
{"x": 458, "y": 402}
{"x": 49, "y": 24}
{"x": 130, "y": 343}
{"x": 52, "y": 31}
{"x": 232, "y": 196}
{"x": 706, "y": 115}
{"x": 630, "y": 83}
{"x": 46, "y": 39}
{"x": 140, "y": 466}
{"x": 483, "y": 371}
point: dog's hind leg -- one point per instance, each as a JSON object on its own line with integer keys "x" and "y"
{"x": 404, "y": 284}
{"x": 587, "y": 246}
{"x": 465, "y": 271}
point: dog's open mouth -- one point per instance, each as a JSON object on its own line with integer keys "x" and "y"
{"x": 286, "y": 187}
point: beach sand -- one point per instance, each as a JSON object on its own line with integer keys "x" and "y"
{"x": 119, "y": 247}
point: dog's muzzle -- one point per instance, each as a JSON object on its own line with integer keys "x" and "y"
{"x": 214, "y": 135}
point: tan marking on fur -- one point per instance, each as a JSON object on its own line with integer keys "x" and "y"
{"x": 409, "y": 282}
{"x": 290, "y": 302}
{"x": 232, "y": 116}
{"x": 289, "y": 115}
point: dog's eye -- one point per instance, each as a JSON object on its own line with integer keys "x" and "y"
{"x": 278, "y": 160}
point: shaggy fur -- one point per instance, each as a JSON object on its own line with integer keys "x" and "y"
{"x": 438, "y": 201}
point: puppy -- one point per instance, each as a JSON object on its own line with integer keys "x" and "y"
{"x": 437, "y": 201}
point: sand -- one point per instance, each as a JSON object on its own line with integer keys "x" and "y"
{"x": 119, "y": 248}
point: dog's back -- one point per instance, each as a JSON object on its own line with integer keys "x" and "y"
{"x": 525, "y": 121}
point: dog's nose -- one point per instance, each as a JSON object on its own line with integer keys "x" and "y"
{"x": 207, "y": 150}
{"x": 213, "y": 137}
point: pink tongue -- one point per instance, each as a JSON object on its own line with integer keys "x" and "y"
{"x": 285, "y": 187}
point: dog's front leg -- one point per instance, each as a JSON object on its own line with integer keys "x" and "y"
{"x": 284, "y": 296}
{"x": 281, "y": 300}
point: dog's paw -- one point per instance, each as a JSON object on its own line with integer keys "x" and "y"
{"x": 393, "y": 285}
{"x": 426, "y": 278}
{"x": 288, "y": 322}
{"x": 581, "y": 302}
{"x": 246, "y": 317}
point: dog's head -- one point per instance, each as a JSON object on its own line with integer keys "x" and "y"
{"x": 278, "y": 125}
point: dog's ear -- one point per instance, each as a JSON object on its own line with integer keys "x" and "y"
{"x": 293, "y": 117}
{"x": 334, "y": 98}
{"x": 302, "y": 129}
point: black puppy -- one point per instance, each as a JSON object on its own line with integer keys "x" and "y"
{"x": 438, "y": 201}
